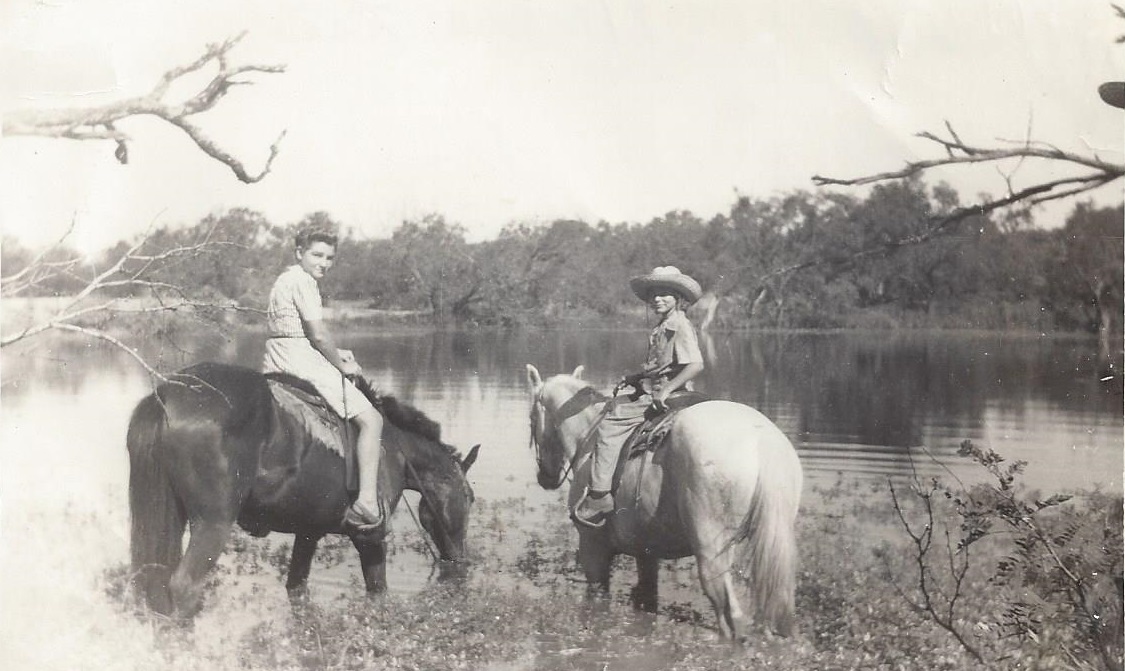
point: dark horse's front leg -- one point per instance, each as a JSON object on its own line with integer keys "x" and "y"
{"x": 644, "y": 595}
{"x": 596, "y": 557}
{"x": 373, "y": 562}
{"x": 300, "y": 563}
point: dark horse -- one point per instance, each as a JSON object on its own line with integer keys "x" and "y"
{"x": 212, "y": 447}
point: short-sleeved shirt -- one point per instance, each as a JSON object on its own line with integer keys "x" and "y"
{"x": 672, "y": 344}
{"x": 295, "y": 295}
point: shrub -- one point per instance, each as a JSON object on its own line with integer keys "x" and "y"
{"x": 1060, "y": 566}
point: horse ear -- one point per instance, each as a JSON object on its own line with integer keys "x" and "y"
{"x": 533, "y": 378}
{"x": 578, "y": 371}
{"x": 470, "y": 459}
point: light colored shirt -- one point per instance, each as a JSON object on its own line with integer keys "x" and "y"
{"x": 295, "y": 296}
{"x": 672, "y": 344}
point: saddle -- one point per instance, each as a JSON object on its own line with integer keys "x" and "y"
{"x": 301, "y": 399}
{"x": 652, "y": 432}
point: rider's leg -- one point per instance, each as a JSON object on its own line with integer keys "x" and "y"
{"x": 369, "y": 450}
{"x": 611, "y": 435}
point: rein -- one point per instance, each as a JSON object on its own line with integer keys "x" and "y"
{"x": 582, "y": 399}
{"x": 422, "y": 495}
{"x": 417, "y": 522}
{"x": 437, "y": 515}
{"x": 579, "y": 455}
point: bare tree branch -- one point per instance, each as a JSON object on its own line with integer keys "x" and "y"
{"x": 960, "y": 153}
{"x": 71, "y": 314}
{"x": 30, "y": 274}
{"x": 102, "y": 335}
{"x": 98, "y": 122}
{"x": 957, "y": 152}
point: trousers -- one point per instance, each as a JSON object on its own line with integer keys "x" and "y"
{"x": 627, "y": 414}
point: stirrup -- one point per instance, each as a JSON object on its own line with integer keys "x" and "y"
{"x": 356, "y": 520}
{"x": 597, "y": 520}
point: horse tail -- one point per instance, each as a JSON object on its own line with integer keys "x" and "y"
{"x": 772, "y": 547}
{"x": 158, "y": 520}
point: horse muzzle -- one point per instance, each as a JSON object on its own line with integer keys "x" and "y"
{"x": 549, "y": 481}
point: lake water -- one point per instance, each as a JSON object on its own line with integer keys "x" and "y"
{"x": 856, "y": 406}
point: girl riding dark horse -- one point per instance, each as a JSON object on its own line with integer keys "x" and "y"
{"x": 300, "y": 343}
{"x": 212, "y": 447}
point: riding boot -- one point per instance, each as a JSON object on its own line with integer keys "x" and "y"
{"x": 592, "y": 510}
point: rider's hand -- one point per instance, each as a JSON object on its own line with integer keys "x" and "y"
{"x": 351, "y": 368}
{"x": 631, "y": 380}
{"x": 660, "y": 400}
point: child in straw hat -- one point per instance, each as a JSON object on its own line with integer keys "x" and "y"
{"x": 673, "y": 360}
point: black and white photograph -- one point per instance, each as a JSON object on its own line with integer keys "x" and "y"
{"x": 562, "y": 336}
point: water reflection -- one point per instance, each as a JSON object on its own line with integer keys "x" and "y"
{"x": 861, "y": 405}
{"x": 851, "y": 402}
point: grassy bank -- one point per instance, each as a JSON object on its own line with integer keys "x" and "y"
{"x": 526, "y": 612}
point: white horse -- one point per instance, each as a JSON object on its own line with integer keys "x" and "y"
{"x": 724, "y": 486}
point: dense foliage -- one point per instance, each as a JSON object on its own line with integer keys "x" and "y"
{"x": 801, "y": 260}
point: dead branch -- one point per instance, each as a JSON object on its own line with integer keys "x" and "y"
{"x": 102, "y": 335}
{"x": 958, "y": 153}
{"x": 99, "y": 122}
{"x": 72, "y": 314}
{"x": 35, "y": 272}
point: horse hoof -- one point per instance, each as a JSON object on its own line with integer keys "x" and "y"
{"x": 258, "y": 532}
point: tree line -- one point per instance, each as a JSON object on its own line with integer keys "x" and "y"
{"x": 803, "y": 259}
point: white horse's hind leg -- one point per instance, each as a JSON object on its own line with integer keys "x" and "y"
{"x": 720, "y": 483}
{"x": 711, "y": 528}
{"x": 718, "y": 584}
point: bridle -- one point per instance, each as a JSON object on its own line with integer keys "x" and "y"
{"x": 582, "y": 399}
{"x": 435, "y": 514}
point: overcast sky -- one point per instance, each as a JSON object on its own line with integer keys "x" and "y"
{"x": 494, "y": 111}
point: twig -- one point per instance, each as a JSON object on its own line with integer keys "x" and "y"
{"x": 102, "y": 335}
{"x": 98, "y": 122}
{"x": 923, "y": 541}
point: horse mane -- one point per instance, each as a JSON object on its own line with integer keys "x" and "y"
{"x": 405, "y": 416}
{"x": 402, "y": 415}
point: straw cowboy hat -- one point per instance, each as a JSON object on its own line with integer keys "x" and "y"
{"x": 669, "y": 279}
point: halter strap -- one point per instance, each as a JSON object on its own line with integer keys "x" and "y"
{"x": 580, "y": 401}
{"x": 584, "y": 398}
